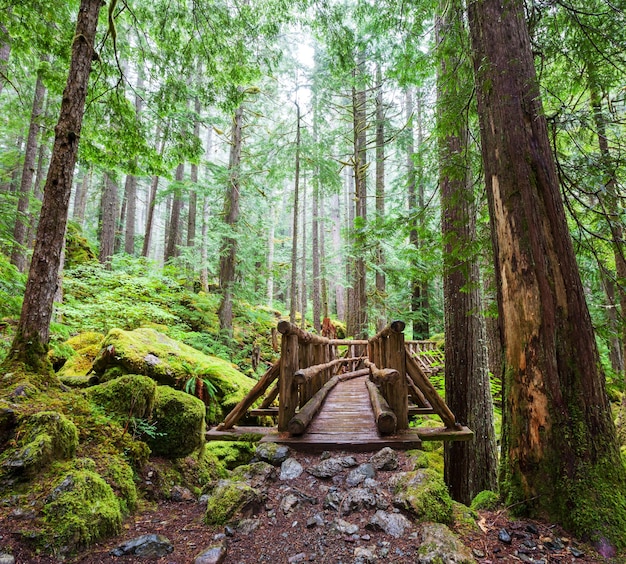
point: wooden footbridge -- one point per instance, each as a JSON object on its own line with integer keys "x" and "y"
{"x": 353, "y": 394}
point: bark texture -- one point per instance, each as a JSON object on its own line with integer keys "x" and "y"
{"x": 108, "y": 224}
{"x": 560, "y": 455}
{"x": 31, "y": 339}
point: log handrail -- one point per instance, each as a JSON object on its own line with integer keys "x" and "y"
{"x": 305, "y": 374}
{"x": 386, "y": 420}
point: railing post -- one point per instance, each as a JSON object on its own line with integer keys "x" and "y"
{"x": 396, "y": 358}
{"x": 288, "y": 390}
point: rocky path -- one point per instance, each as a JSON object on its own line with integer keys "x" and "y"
{"x": 344, "y": 508}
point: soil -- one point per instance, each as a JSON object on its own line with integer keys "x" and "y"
{"x": 280, "y": 538}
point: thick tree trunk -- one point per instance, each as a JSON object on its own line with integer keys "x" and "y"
{"x": 560, "y": 455}
{"x": 108, "y": 225}
{"x": 469, "y": 467}
{"x": 381, "y": 290}
{"x": 18, "y": 254}
{"x": 228, "y": 250}
{"x": 31, "y": 338}
{"x": 294, "y": 236}
{"x": 173, "y": 232}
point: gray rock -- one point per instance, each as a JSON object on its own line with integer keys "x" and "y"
{"x": 203, "y": 499}
{"x": 272, "y": 453}
{"x": 290, "y": 469}
{"x": 440, "y": 544}
{"x": 247, "y": 526}
{"x": 345, "y": 527}
{"x": 6, "y": 558}
{"x": 332, "y": 466}
{"x": 394, "y": 524}
{"x": 503, "y": 536}
{"x": 300, "y": 557}
{"x": 360, "y": 474}
{"x": 289, "y": 503}
{"x": 215, "y": 554}
{"x": 145, "y": 546}
{"x": 357, "y": 499}
{"x": 257, "y": 474}
{"x": 363, "y": 555}
{"x": 179, "y": 494}
{"x": 385, "y": 459}
{"x": 333, "y": 499}
{"x": 316, "y": 521}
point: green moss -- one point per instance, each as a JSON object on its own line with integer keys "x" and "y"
{"x": 119, "y": 475}
{"x": 81, "y": 509}
{"x": 231, "y": 453}
{"x": 464, "y": 518}
{"x": 178, "y": 423}
{"x": 128, "y": 396}
{"x": 45, "y": 437}
{"x": 230, "y": 498}
{"x": 424, "y": 494}
{"x": 85, "y": 347}
{"x": 485, "y": 500}
{"x": 77, "y": 248}
{"x": 169, "y": 362}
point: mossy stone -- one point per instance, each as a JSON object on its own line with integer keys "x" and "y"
{"x": 82, "y": 509}
{"x": 77, "y": 248}
{"x": 127, "y": 396}
{"x": 440, "y": 545}
{"x": 45, "y": 437}
{"x": 178, "y": 423}
{"x": 229, "y": 499}
{"x": 424, "y": 494}
{"x": 119, "y": 475}
{"x": 485, "y": 500}
{"x": 169, "y": 362}
{"x": 232, "y": 453}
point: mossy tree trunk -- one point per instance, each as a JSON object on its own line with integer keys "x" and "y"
{"x": 32, "y": 335}
{"x": 560, "y": 456}
{"x": 469, "y": 467}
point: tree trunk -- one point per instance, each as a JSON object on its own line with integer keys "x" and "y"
{"x": 18, "y": 254}
{"x": 108, "y": 226}
{"x": 80, "y": 198}
{"x": 469, "y": 467}
{"x": 228, "y": 250}
{"x": 294, "y": 237}
{"x": 380, "y": 200}
{"x": 316, "y": 256}
{"x": 5, "y": 52}
{"x": 173, "y": 232}
{"x": 204, "y": 251}
{"x": 33, "y": 215}
{"x": 339, "y": 289}
{"x": 303, "y": 288}
{"x": 322, "y": 260}
{"x": 154, "y": 184}
{"x": 560, "y": 455}
{"x": 32, "y": 334}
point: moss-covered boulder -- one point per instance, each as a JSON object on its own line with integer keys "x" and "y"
{"x": 83, "y": 350}
{"x": 178, "y": 423}
{"x": 44, "y": 437}
{"x": 128, "y": 396}
{"x": 440, "y": 544}
{"x": 424, "y": 494}
{"x": 81, "y": 509}
{"x": 77, "y": 249}
{"x": 230, "y": 499}
{"x": 232, "y": 453}
{"x": 169, "y": 362}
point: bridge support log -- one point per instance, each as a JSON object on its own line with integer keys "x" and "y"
{"x": 288, "y": 390}
{"x": 385, "y": 418}
{"x": 298, "y": 423}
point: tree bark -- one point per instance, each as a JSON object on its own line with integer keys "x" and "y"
{"x": 559, "y": 450}
{"x": 108, "y": 225}
{"x": 173, "y": 233}
{"x": 228, "y": 250}
{"x": 380, "y": 200}
{"x": 5, "y": 53}
{"x": 32, "y": 334}
{"x": 154, "y": 184}
{"x": 18, "y": 254}
{"x": 303, "y": 288}
{"x": 33, "y": 215}
{"x": 294, "y": 236}
{"x": 80, "y": 198}
{"x": 469, "y": 467}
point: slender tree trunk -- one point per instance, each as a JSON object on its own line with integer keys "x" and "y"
{"x": 33, "y": 215}
{"x": 193, "y": 195}
{"x": 469, "y": 467}
{"x": 173, "y": 233}
{"x": 270, "y": 257}
{"x": 80, "y": 198}
{"x": 615, "y": 343}
{"x": 154, "y": 184}
{"x": 5, "y": 53}
{"x": 316, "y": 256}
{"x": 560, "y": 455}
{"x": 32, "y": 334}
{"x": 303, "y": 290}
{"x": 339, "y": 289}
{"x": 323, "y": 270}
{"x": 108, "y": 226}
{"x": 228, "y": 250}
{"x": 381, "y": 291}
{"x": 294, "y": 236}
{"x": 204, "y": 251}
{"x": 18, "y": 254}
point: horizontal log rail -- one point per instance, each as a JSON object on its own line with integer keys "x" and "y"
{"x": 382, "y": 375}
{"x": 300, "y": 421}
{"x": 304, "y": 375}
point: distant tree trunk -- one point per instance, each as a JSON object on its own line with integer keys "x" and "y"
{"x": 33, "y": 214}
{"x": 381, "y": 291}
{"x": 228, "y": 250}
{"x": 31, "y": 338}
{"x": 5, "y": 53}
{"x": 80, "y": 198}
{"x": 193, "y": 195}
{"x": 560, "y": 455}
{"x": 322, "y": 260}
{"x": 469, "y": 467}
{"x": 339, "y": 289}
{"x": 615, "y": 343}
{"x": 174, "y": 226}
{"x": 18, "y": 254}
{"x": 204, "y": 251}
{"x": 359, "y": 114}
{"x": 316, "y": 256}
{"x": 154, "y": 184}
{"x": 294, "y": 236}
{"x": 303, "y": 290}
{"x": 270, "y": 257}
{"x": 108, "y": 226}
